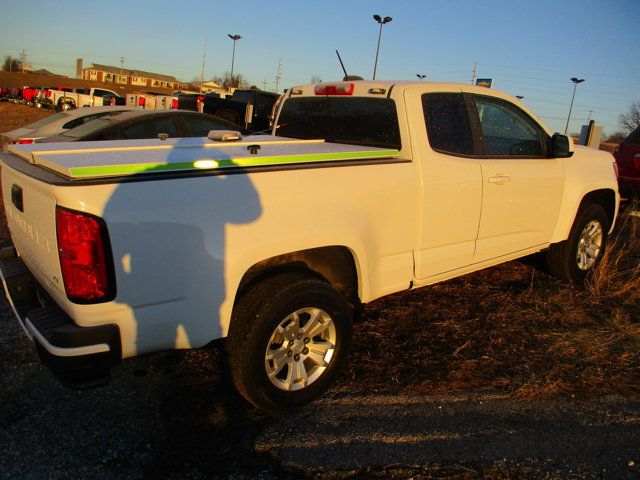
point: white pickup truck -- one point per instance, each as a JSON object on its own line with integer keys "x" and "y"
{"x": 130, "y": 247}
{"x": 92, "y": 97}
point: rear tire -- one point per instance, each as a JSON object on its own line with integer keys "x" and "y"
{"x": 573, "y": 259}
{"x": 289, "y": 337}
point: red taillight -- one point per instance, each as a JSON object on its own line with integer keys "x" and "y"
{"x": 200, "y": 103}
{"x": 142, "y": 101}
{"x": 174, "y": 103}
{"x": 334, "y": 89}
{"x": 85, "y": 258}
{"x": 24, "y": 141}
{"x": 47, "y": 93}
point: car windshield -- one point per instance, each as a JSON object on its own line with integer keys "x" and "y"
{"x": 47, "y": 120}
{"x": 355, "y": 120}
{"x": 87, "y": 128}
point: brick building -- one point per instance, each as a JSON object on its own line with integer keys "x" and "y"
{"x": 105, "y": 73}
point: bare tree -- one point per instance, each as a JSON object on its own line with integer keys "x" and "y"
{"x": 616, "y": 137}
{"x": 228, "y": 81}
{"x": 11, "y": 64}
{"x": 316, "y": 79}
{"x": 631, "y": 119}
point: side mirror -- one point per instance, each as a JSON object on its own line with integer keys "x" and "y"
{"x": 561, "y": 146}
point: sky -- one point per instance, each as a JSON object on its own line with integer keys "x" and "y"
{"x": 529, "y": 48}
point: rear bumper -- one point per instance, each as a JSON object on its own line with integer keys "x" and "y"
{"x": 81, "y": 357}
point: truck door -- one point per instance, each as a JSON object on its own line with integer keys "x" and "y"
{"x": 450, "y": 180}
{"x": 522, "y": 186}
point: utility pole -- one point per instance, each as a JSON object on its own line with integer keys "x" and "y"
{"x": 473, "y": 74}
{"x": 121, "y": 65}
{"x": 264, "y": 85}
{"x": 204, "y": 57}
{"x": 23, "y": 60}
{"x": 590, "y": 112}
{"x": 278, "y": 74}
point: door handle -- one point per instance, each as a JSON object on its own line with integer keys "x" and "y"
{"x": 500, "y": 179}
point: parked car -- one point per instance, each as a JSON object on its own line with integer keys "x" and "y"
{"x": 137, "y": 124}
{"x": 628, "y": 158}
{"x": 29, "y": 94}
{"x": 58, "y": 123}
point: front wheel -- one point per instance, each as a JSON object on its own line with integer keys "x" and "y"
{"x": 289, "y": 338}
{"x": 573, "y": 259}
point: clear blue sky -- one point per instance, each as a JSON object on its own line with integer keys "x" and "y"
{"x": 529, "y": 48}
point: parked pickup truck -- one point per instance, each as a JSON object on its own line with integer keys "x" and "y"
{"x": 80, "y": 97}
{"x": 251, "y": 108}
{"x": 124, "y": 248}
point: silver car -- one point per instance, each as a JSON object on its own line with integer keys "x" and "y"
{"x": 58, "y": 123}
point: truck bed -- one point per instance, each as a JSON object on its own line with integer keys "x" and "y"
{"x": 135, "y": 157}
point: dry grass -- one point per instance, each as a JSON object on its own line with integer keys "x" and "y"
{"x": 510, "y": 328}
{"x": 16, "y": 116}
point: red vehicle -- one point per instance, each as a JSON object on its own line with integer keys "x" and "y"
{"x": 628, "y": 158}
{"x": 29, "y": 93}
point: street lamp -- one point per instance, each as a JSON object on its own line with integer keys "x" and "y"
{"x": 421, "y": 77}
{"x": 575, "y": 81}
{"x": 235, "y": 38}
{"x": 381, "y": 21}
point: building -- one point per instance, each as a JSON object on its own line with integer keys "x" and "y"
{"x": 123, "y": 76}
{"x": 212, "y": 86}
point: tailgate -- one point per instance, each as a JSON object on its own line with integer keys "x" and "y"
{"x": 30, "y": 209}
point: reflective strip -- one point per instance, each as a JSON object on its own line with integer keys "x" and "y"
{"x": 214, "y": 164}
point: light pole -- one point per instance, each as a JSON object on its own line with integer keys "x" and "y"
{"x": 235, "y": 38}
{"x": 381, "y": 21}
{"x": 575, "y": 81}
{"x": 421, "y": 77}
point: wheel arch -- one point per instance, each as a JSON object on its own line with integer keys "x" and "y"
{"x": 605, "y": 197}
{"x": 335, "y": 265}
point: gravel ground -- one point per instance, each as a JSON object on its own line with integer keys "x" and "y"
{"x": 174, "y": 416}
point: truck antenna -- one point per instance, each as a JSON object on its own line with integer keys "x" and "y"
{"x": 342, "y": 65}
{"x": 346, "y": 75}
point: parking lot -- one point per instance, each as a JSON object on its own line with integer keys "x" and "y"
{"x": 504, "y": 373}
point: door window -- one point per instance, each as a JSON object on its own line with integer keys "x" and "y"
{"x": 507, "y": 130}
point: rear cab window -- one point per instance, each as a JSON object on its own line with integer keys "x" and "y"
{"x": 447, "y": 122}
{"x": 354, "y": 120}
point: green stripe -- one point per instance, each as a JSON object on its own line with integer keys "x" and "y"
{"x": 252, "y": 161}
